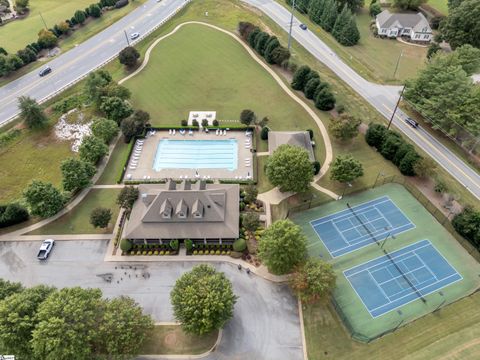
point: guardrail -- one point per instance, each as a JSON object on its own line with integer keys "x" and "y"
{"x": 80, "y": 78}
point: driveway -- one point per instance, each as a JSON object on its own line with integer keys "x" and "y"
{"x": 265, "y": 325}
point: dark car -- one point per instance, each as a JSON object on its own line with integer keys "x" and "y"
{"x": 411, "y": 122}
{"x": 303, "y": 26}
{"x": 45, "y": 71}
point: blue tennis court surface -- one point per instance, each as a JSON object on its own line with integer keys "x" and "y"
{"x": 342, "y": 232}
{"x": 383, "y": 288}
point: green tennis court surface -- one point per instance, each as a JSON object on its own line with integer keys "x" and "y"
{"x": 391, "y": 279}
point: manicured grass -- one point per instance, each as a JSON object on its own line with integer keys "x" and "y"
{"x": 440, "y": 5}
{"x": 171, "y": 340}
{"x": 115, "y": 164}
{"x": 373, "y": 58}
{"x": 200, "y": 68}
{"x": 32, "y": 155}
{"x": 263, "y": 184}
{"x": 451, "y": 333}
{"x": 77, "y": 221}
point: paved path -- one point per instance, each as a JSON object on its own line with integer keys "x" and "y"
{"x": 381, "y": 97}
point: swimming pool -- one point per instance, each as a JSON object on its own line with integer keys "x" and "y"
{"x": 196, "y": 154}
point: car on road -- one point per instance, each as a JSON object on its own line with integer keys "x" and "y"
{"x": 411, "y": 122}
{"x": 45, "y": 71}
{"x": 134, "y": 35}
{"x": 303, "y": 26}
{"x": 45, "y": 249}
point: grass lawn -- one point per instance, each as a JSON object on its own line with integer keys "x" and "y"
{"x": 115, "y": 164}
{"x": 32, "y": 155}
{"x": 263, "y": 184}
{"x": 451, "y": 333}
{"x": 202, "y": 68}
{"x": 77, "y": 221}
{"x": 440, "y": 5}
{"x": 171, "y": 340}
{"x": 372, "y": 57}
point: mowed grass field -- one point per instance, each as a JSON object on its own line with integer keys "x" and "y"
{"x": 17, "y": 34}
{"x": 440, "y": 5}
{"x": 199, "y": 68}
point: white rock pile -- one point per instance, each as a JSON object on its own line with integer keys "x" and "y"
{"x": 75, "y": 132}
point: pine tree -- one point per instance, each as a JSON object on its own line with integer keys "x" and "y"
{"x": 351, "y": 35}
{"x": 272, "y": 44}
{"x": 315, "y": 10}
{"x": 329, "y": 15}
{"x": 342, "y": 22}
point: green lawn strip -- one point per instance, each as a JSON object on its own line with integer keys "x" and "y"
{"x": 373, "y": 58}
{"x": 440, "y": 335}
{"x": 115, "y": 164}
{"x": 263, "y": 184}
{"x": 77, "y": 221}
{"x": 172, "y": 340}
{"x": 439, "y": 5}
{"x": 32, "y": 155}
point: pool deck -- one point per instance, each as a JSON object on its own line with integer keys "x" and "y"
{"x": 144, "y": 169}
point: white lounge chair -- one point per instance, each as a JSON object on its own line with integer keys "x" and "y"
{"x": 144, "y": 177}
{"x": 173, "y": 132}
{"x": 181, "y": 177}
{"x": 190, "y": 132}
{"x": 224, "y": 132}
{"x": 169, "y": 131}
{"x": 132, "y": 167}
{"x": 216, "y": 132}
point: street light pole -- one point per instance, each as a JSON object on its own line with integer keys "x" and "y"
{"x": 126, "y": 37}
{"x": 398, "y": 62}
{"x": 43, "y": 20}
{"x": 396, "y": 106}
{"x": 291, "y": 24}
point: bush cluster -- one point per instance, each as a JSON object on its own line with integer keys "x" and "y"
{"x": 467, "y": 224}
{"x": 393, "y": 147}
{"x": 12, "y": 214}
{"x": 308, "y": 81}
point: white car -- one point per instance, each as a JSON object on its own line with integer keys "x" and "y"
{"x": 45, "y": 249}
{"x": 134, "y": 35}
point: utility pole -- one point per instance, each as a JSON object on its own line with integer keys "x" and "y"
{"x": 291, "y": 24}
{"x": 396, "y": 106}
{"x": 398, "y": 62}
{"x": 44, "y": 23}
{"x": 126, "y": 37}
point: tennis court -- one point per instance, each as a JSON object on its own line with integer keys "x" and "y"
{"x": 353, "y": 228}
{"x": 388, "y": 282}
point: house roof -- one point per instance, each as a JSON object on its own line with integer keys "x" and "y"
{"x": 295, "y": 138}
{"x": 171, "y": 211}
{"x": 417, "y": 21}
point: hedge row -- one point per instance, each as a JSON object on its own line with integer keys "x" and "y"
{"x": 308, "y": 81}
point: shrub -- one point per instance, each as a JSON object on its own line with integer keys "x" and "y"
{"x": 174, "y": 245}
{"x": 242, "y": 206}
{"x": 100, "y": 217}
{"x": 240, "y": 245}
{"x": 218, "y": 252}
{"x": 236, "y": 254}
{"x": 325, "y": 100}
{"x": 104, "y": 129}
{"x": 407, "y": 165}
{"x": 393, "y": 141}
{"x": 467, "y": 224}
{"x": 375, "y": 135}
{"x": 316, "y": 167}
{"x": 310, "y": 88}
{"x": 247, "y": 117}
{"x": 250, "y": 221}
{"x": 310, "y": 132}
{"x": 184, "y": 122}
{"x": 300, "y": 77}
{"x": 92, "y": 149}
{"x": 12, "y": 214}
{"x": 121, "y": 3}
{"x": 195, "y": 123}
{"x": 129, "y": 56}
{"x": 215, "y": 122}
{"x": 440, "y": 187}
{"x": 188, "y": 244}
{"x": 264, "y": 133}
{"x": 204, "y": 123}
{"x": 125, "y": 245}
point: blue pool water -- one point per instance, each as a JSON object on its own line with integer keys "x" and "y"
{"x": 196, "y": 154}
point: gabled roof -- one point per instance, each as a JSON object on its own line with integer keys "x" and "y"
{"x": 417, "y": 21}
{"x": 294, "y": 138}
{"x": 216, "y": 203}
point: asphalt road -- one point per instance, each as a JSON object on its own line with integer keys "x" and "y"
{"x": 265, "y": 325}
{"x": 381, "y": 97}
{"x": 84, "y": 58}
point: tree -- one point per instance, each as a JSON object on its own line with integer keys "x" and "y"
{"x": 251, "y": 193}
{"x": 425, "y": 167}
{"x": 47, "y": 39}
{"x": 135, "y": 125}
{"x": 11, "y": 63}
{"x": 95, "y": 83}
{"x": 21, "y": 5}
{"x": 31, "y": 112}
{"x": 325, "y": 100}
{"x": 127, "y": 197}
{"x": 454, "y": 3}
{"x": 329, "y": 15}
{"x": 391, "y": 144}
{"x": 408, "y": 4}
{"x": 375, "y": 135}
{"x": 315, "y": 10}
{"x": 345, "y": 168}
{"x": 12, "y": 214}
{"x": 115, "y": 90}
{"x": 92, "y": 149}
{"x": 104, "y": 129}
{"x": 76, "y": 174}
{"x": 279, "y": 55}
{"x": 43, "y": 199}
{"x": 100, "y": 217}
{"x": 264, "y": 133}
{"x": 68, "y": 324}
{"x": 63, "y": 27}
{"x": 116, "y": 108}
{"x": 467, "y": 224}
{"x": 407, "y": 165}
{"x": 311, "y": 87}
{"x": 374, "y": 9}
{"x": 282, "y": 247}
{"x": 8, "y": 288}
{"x": 261, "y": 41}
{"x": 245, "y": 28}
{"x": 26, "y": 55}
{"x": 402, "y": 150}
{"x": 310, "y": 76}
{"x": 462, "y": 25}
{"x": 250, "y": 221}
{"x": 247, "y": 117}
{"x": 272, "y": 44}
{"x": 300, "y": 77}
{"x": 129, "y": 56}
{"x": 124, "y": 328}
{"x": 289, "y": 168}
{"x": 341, "y": 22}
{"x": 18, "y": 318}
{"x": 433, "y": 49}
{"x": 344, "y": 127}
{"x": 3, "y": 51}
{"x": 80, "y": 16}
{"x": 253, "y": 36}
{"x": 94, "y": 10}
{"x": 313, "y": 281}
{"x": 203, "y": 300}
{"x": 353, "y": 5}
